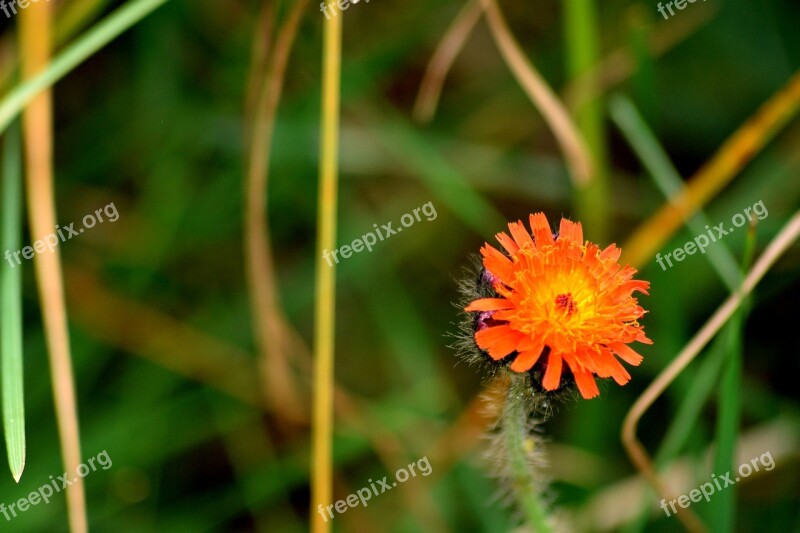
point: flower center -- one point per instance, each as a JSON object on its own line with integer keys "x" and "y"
{"x": 565, "y": 302}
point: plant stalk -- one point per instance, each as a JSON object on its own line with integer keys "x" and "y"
{"x": 325, "y": 298}
{"x": 519, "y": 447}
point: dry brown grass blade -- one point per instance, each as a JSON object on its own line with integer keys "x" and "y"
{"x": 430, "y": 89}
{"x": 729, "y": 160}
{"x": 636, "y": 451}
{"x": 269, "y": 323}
{"x": 611, "y": 71}
{"x": 257, "y": 71}
{"x": 553, "y": 111}
{"x": 37, "y": 120}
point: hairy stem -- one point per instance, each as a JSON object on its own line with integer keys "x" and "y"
{"x": 519, "y": 446}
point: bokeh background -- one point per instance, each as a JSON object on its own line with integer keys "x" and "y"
{"x": 169, "y": 377}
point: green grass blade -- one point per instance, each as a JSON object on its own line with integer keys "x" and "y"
{"x": 11, "y": 320}
{"x": 656, "y": 161}
{"x": 691, "y": 406}
{"x": 93, "y": 40}
{"x": 667, "y": 178}
{"x": 582, "y": 36}
{"x": 723, "y": 508}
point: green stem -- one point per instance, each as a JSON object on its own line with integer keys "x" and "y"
{"x": 582, "y": 40}
{"x": 518, "y": 439}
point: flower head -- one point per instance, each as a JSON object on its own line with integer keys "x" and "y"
{"x": 556, "y": 299}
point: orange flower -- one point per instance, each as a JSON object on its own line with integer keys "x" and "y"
{"x": 559, "y": 299}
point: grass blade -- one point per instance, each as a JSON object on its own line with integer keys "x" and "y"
{"x": 729, "y": 160}
{"x": 572, "y": 144}
{"x": 633, "y": 447}
{"x": 666, "y": 177}
{"x": 450, "y": 45}
{"x": 581, "y": 31}
{"x": 11, "y": 321}
{"x": 269, "y": 322}
{"x": 89, "y": 43}
{"x": 325, "y": 297}
{"x": 35, "y": 37}
{"x": 723, "y": 508}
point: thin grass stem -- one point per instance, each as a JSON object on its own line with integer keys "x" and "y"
{"x": 325, "y": 298}
{"x": 35, "y": 36}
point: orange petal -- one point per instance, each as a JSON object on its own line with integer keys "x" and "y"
{"x": 498, "y": 264}
{"x": 541, "y": 229}
{"x": 507, "y": 242}
{"x": 622, "y": 378}
{"x": 613, "y": 368}
{"x": 499, "y": 341}
{"x": 520, "y": 234}
{"x": 635, "y": 285}
{"x": 552, "y": 376}
{"x": 592, "y": 361}
{"x": 531, "y": 344}
{"x": 571, "y": 231}
{"x": 586, "y": 385}
{"x": 611, "y": 252}
{"x": 489, "y": 304}
{"x": 626, "y": 353}
{"x": 505, "y": 314}
{"x": 525, "y": 360}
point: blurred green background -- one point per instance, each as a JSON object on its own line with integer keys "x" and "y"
{"x": 160, "y": 317}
